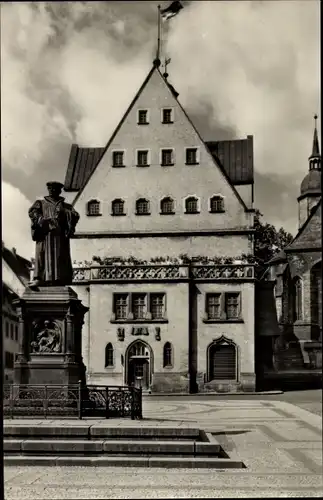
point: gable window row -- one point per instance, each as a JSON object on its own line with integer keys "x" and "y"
{"x": 166, "y": 205}
{"x": 166, "y": 157}
{"x": 167, "y": 116}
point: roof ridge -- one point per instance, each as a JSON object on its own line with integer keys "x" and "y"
{"x": 302, "y": 228}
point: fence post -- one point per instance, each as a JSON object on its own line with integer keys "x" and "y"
{"x": 107, "y": 409}
{"x": 45, "y": 402}
{"x": 11, "y": 400}
{"x": 133, "y": 401}
{"x": 80, "y": 400}
{"x": 140, "y": 404}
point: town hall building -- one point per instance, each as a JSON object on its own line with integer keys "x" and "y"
{"x": 163, "y": 251}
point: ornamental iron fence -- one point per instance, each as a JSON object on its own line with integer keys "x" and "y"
{"x": 76, "y": 401}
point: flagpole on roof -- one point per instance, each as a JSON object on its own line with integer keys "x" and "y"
{"x": 157, "y": 60}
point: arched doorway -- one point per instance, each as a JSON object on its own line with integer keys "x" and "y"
{"x": 139, "y": 363}
{"x": 222, "y": 360}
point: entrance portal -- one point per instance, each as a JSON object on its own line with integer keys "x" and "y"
{"x": 139, "y": 365}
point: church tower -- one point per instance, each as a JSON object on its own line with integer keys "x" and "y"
{"x": 310, "y": 192}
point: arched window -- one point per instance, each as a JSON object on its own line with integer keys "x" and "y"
{"x": 117, "y": 207}
{"x": 222, "y": 357}
{"x": 191, "y": 205}
{"x": 167, "y": 205}
{"x": 142, "y": 206}
{"x": 168, "y": 355}
{"x": 93, "y": 207}
{"x": 216, "y": 204}
{"x": 109, "y": 355}
{"x": 297, "y": 299}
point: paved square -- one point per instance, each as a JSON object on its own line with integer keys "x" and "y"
{"x": 280, "y": 444}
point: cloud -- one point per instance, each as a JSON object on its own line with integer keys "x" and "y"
{"x": 15, "y": 221}
{"x": 70, "y": 69}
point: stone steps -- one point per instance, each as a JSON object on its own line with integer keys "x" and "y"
{"x": 120, "y": 461}
{"x": 109, "y": 446}
{"x": 101, "y": 444}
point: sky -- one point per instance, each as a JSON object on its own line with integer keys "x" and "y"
{"x": 70, "y": 69}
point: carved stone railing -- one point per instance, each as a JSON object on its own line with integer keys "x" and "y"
{"x": 162, "y": 272}
{"x": 229, "y": 271}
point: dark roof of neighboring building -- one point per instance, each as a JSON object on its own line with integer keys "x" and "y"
{"x": 19, "y": 265}
{"x": 279, "y": 257}
{"x": 81, "y": 164}
{"x": 235, "y": 156}
{"x": 313, "y": 240}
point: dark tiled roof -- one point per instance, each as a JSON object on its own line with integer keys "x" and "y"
{"x": 18, "y": 264}
{"x": 309, "y": 236}
{"x": 236, "y": 157}
{"x": 81, "y": 164}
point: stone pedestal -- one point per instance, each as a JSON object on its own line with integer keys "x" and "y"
{"x": 50, "y": 325}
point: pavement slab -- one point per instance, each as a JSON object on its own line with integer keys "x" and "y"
{"x": 280, "y": 444}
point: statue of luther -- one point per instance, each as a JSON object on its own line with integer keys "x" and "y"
{"x": 53, "y": 223}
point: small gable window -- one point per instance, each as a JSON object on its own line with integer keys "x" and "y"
{"x": 117, "y": 207}
{"x": 216, "y": 204}
{"x": 167, "y": 157}
{"x": 142, "y": 158}
{"x": 168, "y": 355}
{"x": 142, "y": 117}
{"x": 142, "y": 207}
{"x": 167, "y": 206}
{"x": 191, "y": 156}
{"x": 167, "y": 115}
{"x": 109, "y": 355}
{"x": 191, "y": 205}
{"x": 118, "y": 159}
{"x": 93, "y": 208}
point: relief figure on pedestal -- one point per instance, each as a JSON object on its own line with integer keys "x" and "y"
{"x": 53, "y": 223}
{"x": 48, "y": 339}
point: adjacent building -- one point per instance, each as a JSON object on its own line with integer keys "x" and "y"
{"x": 162, "y": 251}
{"x": 297, "y": 272}
{"x": 15, "y": 276}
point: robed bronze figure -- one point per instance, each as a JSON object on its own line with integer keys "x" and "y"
{"x": 53, "y": 223}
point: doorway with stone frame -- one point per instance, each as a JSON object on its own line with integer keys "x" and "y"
{"x": 139, "y": 365}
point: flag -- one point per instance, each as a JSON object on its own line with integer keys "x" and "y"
{"x": 171, "y": 11}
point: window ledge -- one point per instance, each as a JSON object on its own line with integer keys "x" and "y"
{"x": 167, "y": 123}
{"x": 94, "y": 215}
{"x": 168, "y": 367}
{"x": 238, "y": 320}
{"x": 142, "y": 123}
{"x": 166, "y": 213}
{"x": 192, "y": 213}
{"x": 142, "y": 166}
{"x": 217, "y": 211}
{"x": 167, "y": 164}
{"x": 109, "y": 367}
{"x": 196, "y": 163}
{"x": 117, "y": 215}
{"x": 148, "y": 213}
{"x": 118, "y": 166}
{"x": 138, "y": 321}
